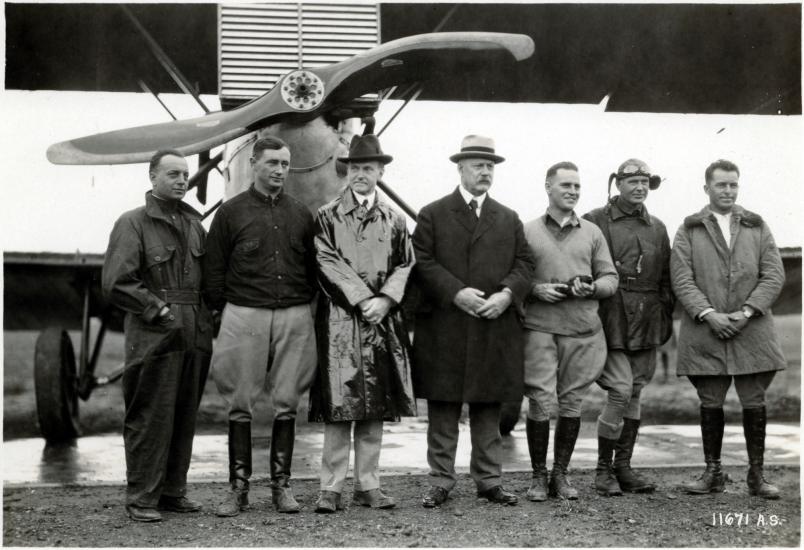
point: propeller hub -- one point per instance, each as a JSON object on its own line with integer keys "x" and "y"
{"x": 302, "y": 90}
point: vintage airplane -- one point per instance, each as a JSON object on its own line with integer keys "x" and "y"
{"x": 310, "y": 109}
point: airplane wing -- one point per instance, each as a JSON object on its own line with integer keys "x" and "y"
{"x": 304, "y": 94}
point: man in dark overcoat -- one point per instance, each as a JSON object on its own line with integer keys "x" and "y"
{"x": 152, "y": 271}
{"x": 637, "y": 319}
{"x": 364, "y": 261}
{"x": 727, "y": 273}
{"x": 474, "y": 270}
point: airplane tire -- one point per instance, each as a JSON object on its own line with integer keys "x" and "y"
{"x": 509, "y": 416}
{"x": 56, "y": 384}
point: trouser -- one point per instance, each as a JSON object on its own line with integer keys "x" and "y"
{"x": 161, "y": 396}
{"x": 750, "y": 389}
{"x": 485, "y": 465}
{"x": 335, "y": 456}
{"x": 624, "y": 375}
{"x": 563, "y": 367}
{"x": 262, "y": 350}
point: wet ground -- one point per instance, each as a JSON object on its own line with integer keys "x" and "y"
{"x": 100, "y": 460}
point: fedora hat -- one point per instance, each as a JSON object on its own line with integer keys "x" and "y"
{"x": 364, "y": 149}
{"x": 477, "y": 147}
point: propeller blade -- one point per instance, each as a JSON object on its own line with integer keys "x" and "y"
{"x": 303, "y": 95}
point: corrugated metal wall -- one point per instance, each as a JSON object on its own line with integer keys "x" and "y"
{"x": 258, "y": 43}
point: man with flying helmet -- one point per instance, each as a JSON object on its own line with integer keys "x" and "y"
{"x": 637, "y": 319}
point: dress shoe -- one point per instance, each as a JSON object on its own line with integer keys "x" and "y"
{"x": 373, "y": 498}
{"x": 283, "y": 500}
{"x": 435, "y": 496}
{"x": 235, "y": 502}
{"x": 138, "y": 513}
{"x": 328, "y": 502}
{"x": 498, "y": 495}
{"x": 178, "y": 504}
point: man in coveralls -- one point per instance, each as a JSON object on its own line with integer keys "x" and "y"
{"x": 637, "y": 319}
{"x": 153, "y": 272}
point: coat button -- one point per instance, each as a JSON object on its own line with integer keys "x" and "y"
{"x": 279, "y": 276}
{"x": 157, "y": 258}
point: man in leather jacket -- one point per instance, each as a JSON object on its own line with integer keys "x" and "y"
{"x": 637, "y": 319}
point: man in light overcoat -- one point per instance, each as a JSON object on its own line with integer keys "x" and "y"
{"x": 474, "y": 270}
{"x": 727, "y": 272}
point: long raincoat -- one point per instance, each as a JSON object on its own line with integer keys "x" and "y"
{"x": 707, "y": 272}
{"x": 363, "y": 370}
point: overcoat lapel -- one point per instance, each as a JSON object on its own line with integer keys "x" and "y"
{"x": 461, "y": 212}
{"x": 717, "y": 237}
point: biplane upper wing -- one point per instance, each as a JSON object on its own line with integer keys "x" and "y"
{"x": 304, "y": 94}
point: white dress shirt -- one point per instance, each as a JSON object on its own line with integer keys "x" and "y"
{"x": 467, "y": 196}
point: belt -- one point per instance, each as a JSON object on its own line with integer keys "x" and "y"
{"x": 632, "y": 284}
{"x": 189, "y": 297}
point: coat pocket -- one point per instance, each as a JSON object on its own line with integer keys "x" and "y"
{"x": 157, "y": 265}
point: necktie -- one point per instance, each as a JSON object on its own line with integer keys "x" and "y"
{"x": 473, "y": 207}
{"x": 362, "y": 210}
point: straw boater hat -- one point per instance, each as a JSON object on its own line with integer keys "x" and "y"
{"x": 477, "y": 147}
{"x": 364, "y": 149}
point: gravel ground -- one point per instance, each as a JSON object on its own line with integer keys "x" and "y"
{"x": 94, "y": 516}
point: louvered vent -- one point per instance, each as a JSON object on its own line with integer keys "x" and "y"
{"x": 259, "y": 43}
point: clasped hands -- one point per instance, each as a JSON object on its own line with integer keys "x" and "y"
{"x": 726, "y": 325}
{"x": 471, "y": 301}
{"x": 375, "y": 309}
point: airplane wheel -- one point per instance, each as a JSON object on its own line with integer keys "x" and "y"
{"x": 509, "y": 416}
{"x": 56, "y": 385}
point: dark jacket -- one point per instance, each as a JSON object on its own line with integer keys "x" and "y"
{"x": 260, "y": 252}
{"x": 144, "y": 259}
{"x": 640, "y": 314}
{"x": 708, "y": 272}
{"x": 363, "y": 370}
{"x": 459, "y": 358}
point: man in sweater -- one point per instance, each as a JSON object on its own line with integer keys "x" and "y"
{"x": 565, "y": 348}
{"x": 637, "y": 319}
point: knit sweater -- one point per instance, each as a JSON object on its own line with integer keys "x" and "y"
{"x": 561, "y": 255}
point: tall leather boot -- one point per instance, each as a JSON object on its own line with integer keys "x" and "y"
{"x": 713, "y": 480}
{"x": 239, "y": 469}
{"x": 629, "y": 480}
{"x": 283, "y": 435}
{"x": 754, "y": 422}
{"x": 564, "y": 443}
{"x": 605, "y": 482}
{"x": 538, "y": 432}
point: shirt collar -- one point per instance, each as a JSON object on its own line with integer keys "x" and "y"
{"x": 573, "y": 219}
{"x": 371, "y": 197}
{"x": 620, "y": 210}
{"x": 262, "y": 197}
{"x": 467, "y": 196}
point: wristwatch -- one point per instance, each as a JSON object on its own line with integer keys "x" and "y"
{"x": 748, "y": 313}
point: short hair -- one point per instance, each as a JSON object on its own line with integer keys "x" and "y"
{"x": 268, "y": 142}
{"x": 564, "y": 165}
{"x": 156, "y": 158}
{"x": 720, "y": 164}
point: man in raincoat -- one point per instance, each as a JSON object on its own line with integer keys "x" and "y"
{"x": 364, "y": 260}
{"x": 152, "y": 271}
{"x": 727, "y": 272}
{"x": 637, "y": 319}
